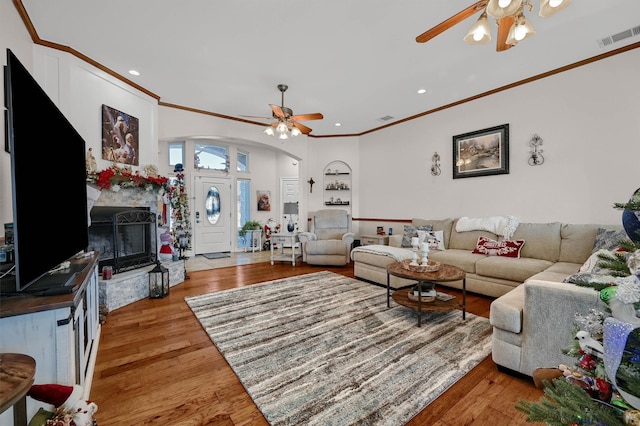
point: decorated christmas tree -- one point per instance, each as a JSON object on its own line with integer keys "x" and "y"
{"x": 180, "y": 215}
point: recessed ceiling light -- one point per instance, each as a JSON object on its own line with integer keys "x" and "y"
{"x": 134, "y": 72}
{"x": 338, "y": 124}
{"x": 421, "y": 91}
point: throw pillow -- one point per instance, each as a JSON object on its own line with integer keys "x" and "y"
{"x": 505, "y": 248}
{"x": 591, "y": 265}
{"x": 608, "y": 239}
{"x": 587, "y": 278}
{"x": 435, "y": 239}
{"x": 411, "y": 231}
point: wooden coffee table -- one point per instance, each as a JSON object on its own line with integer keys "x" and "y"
{"x": 426, "y": 280}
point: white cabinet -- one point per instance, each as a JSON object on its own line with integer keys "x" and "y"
{"x": 60, "y": 332}
{"x": 337, "y": 185}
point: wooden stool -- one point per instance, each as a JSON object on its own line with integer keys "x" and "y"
{"x": 16, "y": 377}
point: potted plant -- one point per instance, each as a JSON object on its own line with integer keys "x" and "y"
{"x": 250, "y": 225}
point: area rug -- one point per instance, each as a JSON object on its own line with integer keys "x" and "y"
{"x": 216, "y": 255}
{"x": 324, "y": 349}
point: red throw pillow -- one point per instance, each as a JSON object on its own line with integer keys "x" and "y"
{"x": 505, "y": 248}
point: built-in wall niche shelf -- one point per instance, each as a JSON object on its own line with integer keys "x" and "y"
{"x": 337, "y": 185}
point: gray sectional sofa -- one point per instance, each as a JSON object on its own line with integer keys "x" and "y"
{"x": 533, "y": 311}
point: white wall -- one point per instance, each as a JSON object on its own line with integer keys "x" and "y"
{"x": 588, "y": 118}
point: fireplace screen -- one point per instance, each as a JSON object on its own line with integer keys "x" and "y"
{"x": 124, "y": 238}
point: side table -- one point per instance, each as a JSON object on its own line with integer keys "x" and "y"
{"x": 367, "y": 240}
{"x": 17, "y": 373}
{"x": 282, "y": 240}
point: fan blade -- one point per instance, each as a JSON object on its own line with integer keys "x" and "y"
{"x": 504, "y": 24}
{"x": 256, "y": 116}
{"x": 454, "y": 20}
{"x": 304, "y": 129}
{"x": 277, "y": 111}
{"x": 305, "y": 117}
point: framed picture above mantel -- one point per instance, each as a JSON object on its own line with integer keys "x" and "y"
{"x": 481, "y": 153}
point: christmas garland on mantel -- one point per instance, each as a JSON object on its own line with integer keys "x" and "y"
{"x": 115, "y": 178}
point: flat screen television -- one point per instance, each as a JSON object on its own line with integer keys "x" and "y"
{"x": 48, "y": 183}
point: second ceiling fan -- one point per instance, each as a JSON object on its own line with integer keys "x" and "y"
{"x": 509, "y": 14}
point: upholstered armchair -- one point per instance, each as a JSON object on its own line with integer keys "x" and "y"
{"x": 330, "y": 239}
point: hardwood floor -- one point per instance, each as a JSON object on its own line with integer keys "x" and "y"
{"x": 156, "y": 365}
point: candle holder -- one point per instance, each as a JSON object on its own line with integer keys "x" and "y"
{"x": 425, "y": 254}
{"x": 415, "y": 242}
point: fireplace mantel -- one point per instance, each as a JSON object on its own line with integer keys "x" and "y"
{"x": 128, "y": 197}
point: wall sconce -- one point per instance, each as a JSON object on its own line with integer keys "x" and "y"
{"x": 435, "y": 166}
{"x": 536, "y": 158}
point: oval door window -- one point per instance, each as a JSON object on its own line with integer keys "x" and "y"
{"x": 212, "y": 205}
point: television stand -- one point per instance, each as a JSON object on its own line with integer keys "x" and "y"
{"x": 61, "y": 332}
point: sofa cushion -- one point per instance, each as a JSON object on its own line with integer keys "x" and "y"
{"x": 444, "y": 225}
{"x": 463, "y": 259}
{"x": 326, "y": 247}
{"x": 543, "y": 240}
{"x": 510, "y": 269}
{"x": 411, "y": 231}
{"x": 504, "y": 248}
{"x": 556, "y": 272}
{"x": 577, "y": 242}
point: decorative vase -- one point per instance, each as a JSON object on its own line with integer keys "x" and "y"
{"x": 291, "y": 226}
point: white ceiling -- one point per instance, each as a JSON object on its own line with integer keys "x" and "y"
{"x": 354, "y": 61}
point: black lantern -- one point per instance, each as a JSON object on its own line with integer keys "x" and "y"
{"x": 158, "y": 282}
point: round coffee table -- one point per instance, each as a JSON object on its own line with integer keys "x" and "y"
{"x": 445, "y": 273}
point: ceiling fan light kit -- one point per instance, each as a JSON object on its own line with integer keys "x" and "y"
{"x": 549, "y": 7}
{"x": 480, "y": 32}
{"x": 521, "y": 29}
{"x": 498, "y": 9}
{"x": 513, "y": 26}
{"x": 285, "y": 124}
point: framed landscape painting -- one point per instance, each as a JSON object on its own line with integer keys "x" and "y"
{"x": 481, "y": 153}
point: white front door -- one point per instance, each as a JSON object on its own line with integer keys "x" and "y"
{"x": 212, "y": 212}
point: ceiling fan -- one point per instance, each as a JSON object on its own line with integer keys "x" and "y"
{"x": 286, "y": 124}
{"x": 509, "y": 15}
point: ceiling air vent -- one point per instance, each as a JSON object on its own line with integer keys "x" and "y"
{"x": 619, "y": 36}
{"x": 385, "y": 118}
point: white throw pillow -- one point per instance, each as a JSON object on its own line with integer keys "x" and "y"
{"x": 591, "y": 265}
{"x": 435, "y": 239}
